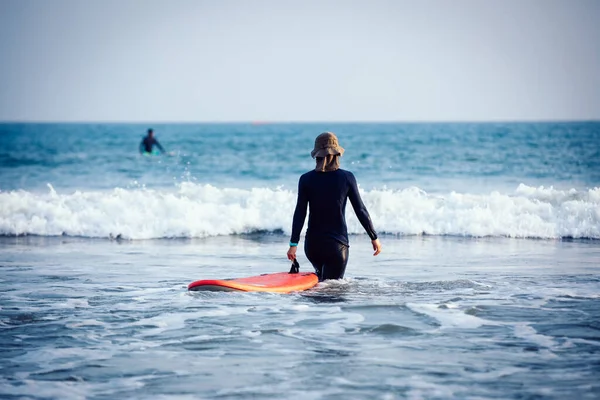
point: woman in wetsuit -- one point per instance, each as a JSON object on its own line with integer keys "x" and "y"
{"x": 325, "y": 191}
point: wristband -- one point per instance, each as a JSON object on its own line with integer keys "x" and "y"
{"x": 293, "y": 244}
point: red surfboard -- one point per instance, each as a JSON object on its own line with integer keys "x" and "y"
{"x": 280, "y": 282}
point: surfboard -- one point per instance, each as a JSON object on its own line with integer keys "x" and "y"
{"x": 158, "y": 153}
{"x": 280, "y": 282}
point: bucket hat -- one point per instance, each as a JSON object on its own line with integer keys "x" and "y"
{"x": 326, "y": 144}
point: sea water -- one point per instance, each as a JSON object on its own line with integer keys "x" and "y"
{"x": 488, "y": 285}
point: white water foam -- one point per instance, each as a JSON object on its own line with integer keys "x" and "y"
{"x": 449, "y": 317}
{"x": 194, "y": 210}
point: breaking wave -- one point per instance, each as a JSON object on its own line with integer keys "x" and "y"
{"x": 193, "y": 210}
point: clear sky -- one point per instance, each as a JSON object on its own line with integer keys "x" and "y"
{"x": 304, "y": 60}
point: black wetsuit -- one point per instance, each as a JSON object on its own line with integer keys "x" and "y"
{"x": 326, "y": 194}
{"x": 147, "y": 144}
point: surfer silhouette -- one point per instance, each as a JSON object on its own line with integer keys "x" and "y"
{"x": 325, "y": 191}
{"x": 148, "y": 143}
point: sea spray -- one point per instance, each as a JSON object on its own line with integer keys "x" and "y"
{"x": 194, "y": 211}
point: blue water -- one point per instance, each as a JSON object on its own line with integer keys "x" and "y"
{"x": 488, "y": 286}
{"x": 433, "y": 157}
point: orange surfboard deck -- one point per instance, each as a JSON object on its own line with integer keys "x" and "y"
{"x": 280, "y": 282}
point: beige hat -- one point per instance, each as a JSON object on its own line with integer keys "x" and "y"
{"x": 325, "y": 144}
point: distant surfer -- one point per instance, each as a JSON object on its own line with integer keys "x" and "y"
{"x": 325, "y": 191}
{"x": 148, "y": 143}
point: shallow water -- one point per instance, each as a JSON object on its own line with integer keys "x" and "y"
{"x": 431, "y": 317}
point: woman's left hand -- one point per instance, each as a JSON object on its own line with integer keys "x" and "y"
{"x": 376, "y": 246}
{"x": 291, "y": 254}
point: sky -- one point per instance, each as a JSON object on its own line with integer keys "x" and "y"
{"x": 299, "y": 61}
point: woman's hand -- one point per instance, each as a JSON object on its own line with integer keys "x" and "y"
{"x": 291, "y": 254}
{"x": 376, "y": 246}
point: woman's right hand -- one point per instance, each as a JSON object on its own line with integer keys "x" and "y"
{"x": 291, "y": 254}
{"x": 376, "y": 246}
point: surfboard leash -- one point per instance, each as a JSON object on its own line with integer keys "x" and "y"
{"x": 295, "y": 267}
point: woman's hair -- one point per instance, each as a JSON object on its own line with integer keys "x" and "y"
{"x": 328, "y": 163}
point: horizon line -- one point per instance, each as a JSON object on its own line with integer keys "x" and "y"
{"x": 277, "y": 122}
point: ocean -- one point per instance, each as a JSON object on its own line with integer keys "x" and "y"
{"x": 488, "y": 285}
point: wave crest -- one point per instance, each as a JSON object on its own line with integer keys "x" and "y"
{"x": 193, "y": 211}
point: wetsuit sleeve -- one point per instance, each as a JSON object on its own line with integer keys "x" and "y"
{"x": 359, "y": 207}
{"x": 299, "y": 213}
{"x": 159, "y": 146}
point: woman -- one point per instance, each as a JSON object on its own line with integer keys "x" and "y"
{"x": 325, "y": 191}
